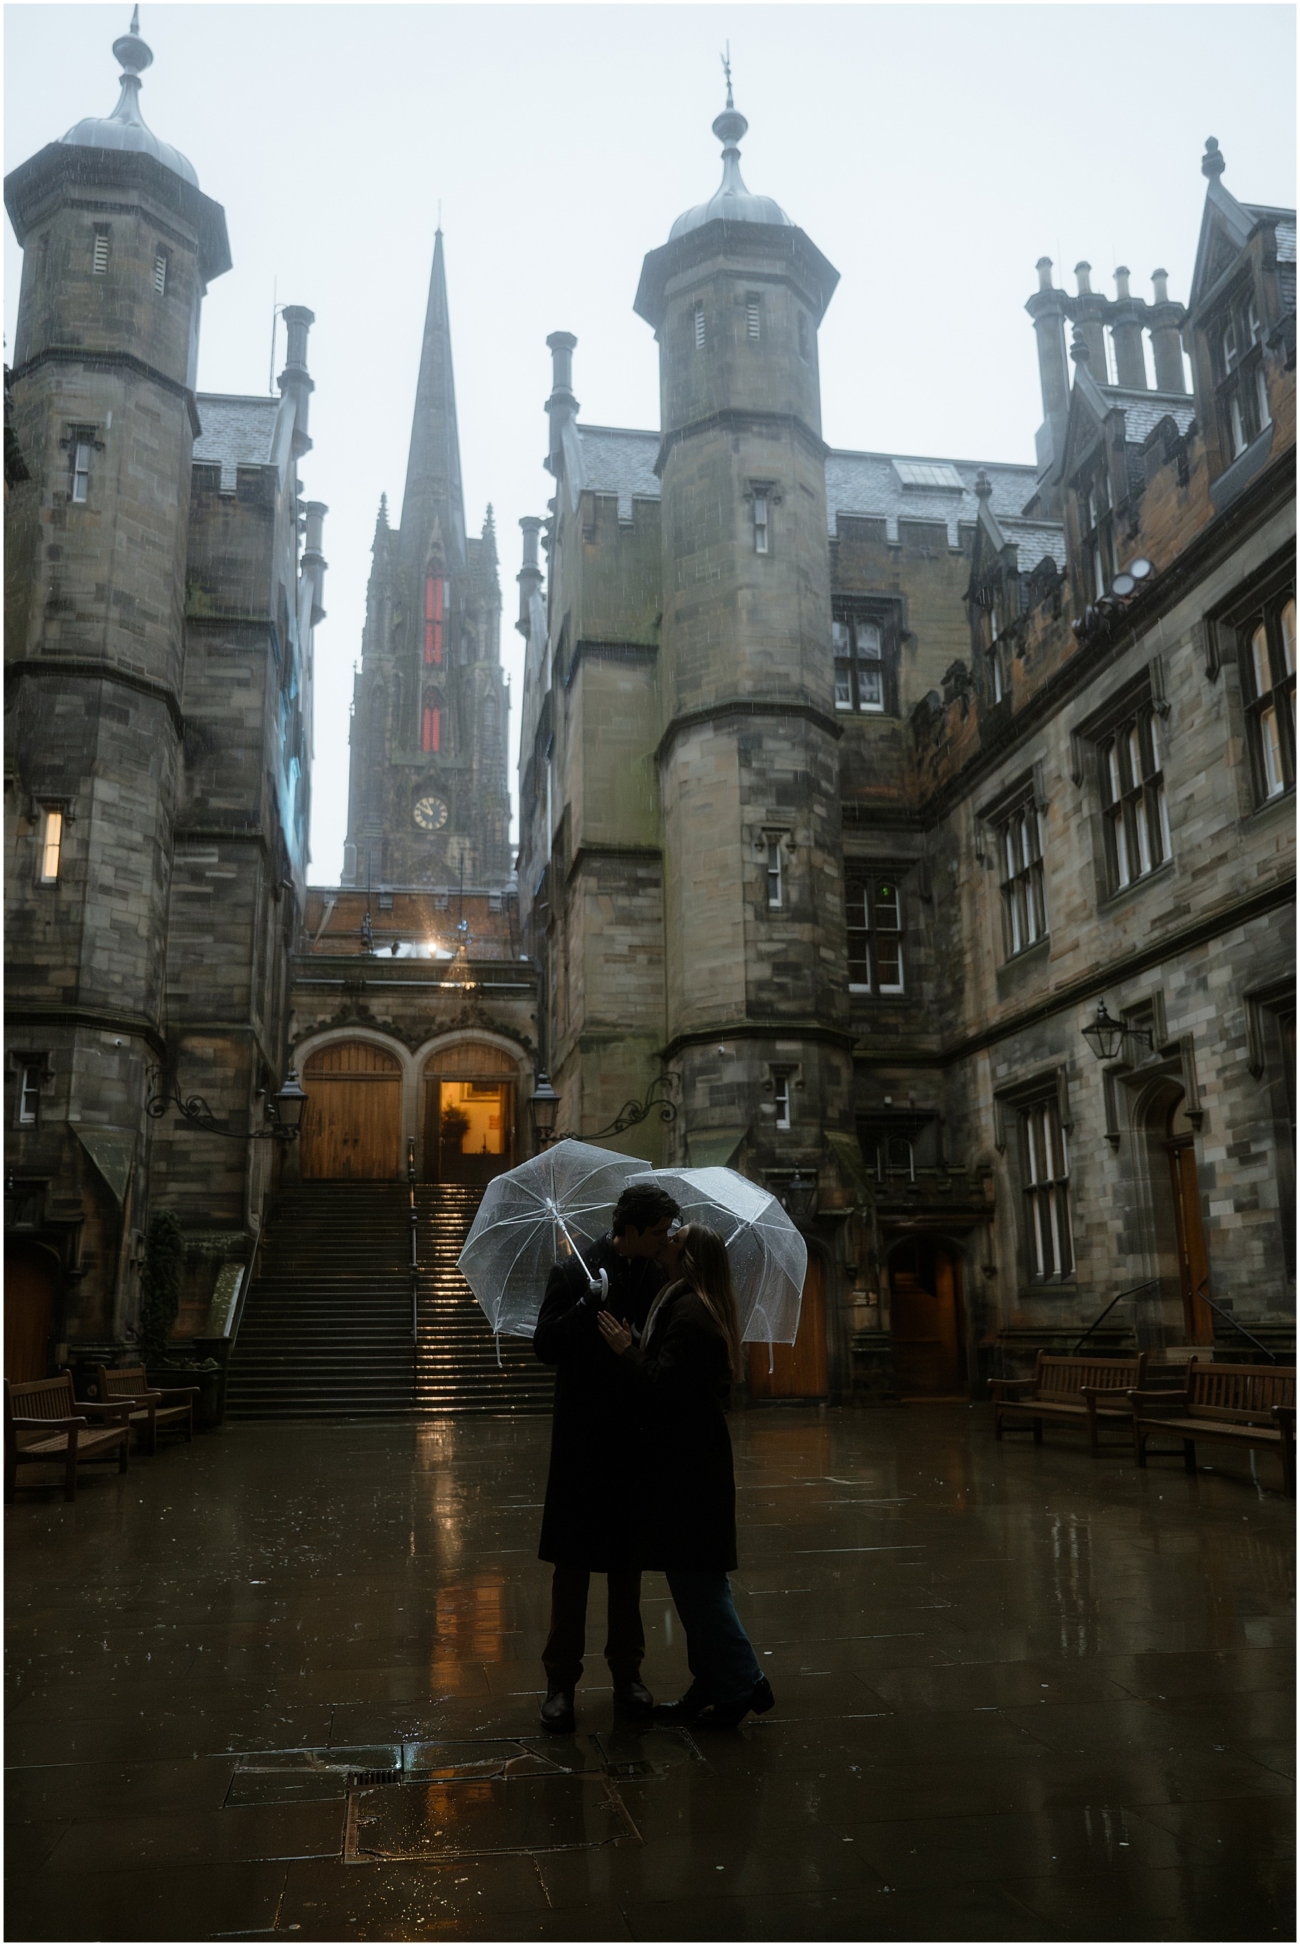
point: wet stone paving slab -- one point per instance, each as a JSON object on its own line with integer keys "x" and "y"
{"x": 285, "y": 1681}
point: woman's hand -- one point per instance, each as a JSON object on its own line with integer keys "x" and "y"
{"x": 616, "y": 1335}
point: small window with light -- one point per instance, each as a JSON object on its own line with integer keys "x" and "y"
{"x": 50, "y": 846}
{"x": 761, "y": 527}
{"x": 30, "y": 1071}
{"x": 1268, "y": 686}
{"x": 81, "y": 448}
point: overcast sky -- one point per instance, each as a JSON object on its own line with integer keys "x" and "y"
{"x": 932, "y": 152}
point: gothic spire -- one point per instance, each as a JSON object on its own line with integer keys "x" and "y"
{"x": 433, "y": 485}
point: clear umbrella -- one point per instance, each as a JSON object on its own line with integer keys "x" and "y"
{"x": 768, "y": 1257}
{"x": 532, "y": 1217}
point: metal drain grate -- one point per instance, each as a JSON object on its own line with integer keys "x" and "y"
{"x": 360, "y": 1779}
{"x": 638, "y": 1769}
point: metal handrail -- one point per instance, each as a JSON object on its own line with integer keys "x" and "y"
{"x": 415, "y": 1242}
{"x": 1152, "y": 1283}
{"x": 1202, "y": 1291}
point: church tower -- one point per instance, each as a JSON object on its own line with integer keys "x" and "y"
{"x": 748, "y": 766}
{"x": 428, "y": 800}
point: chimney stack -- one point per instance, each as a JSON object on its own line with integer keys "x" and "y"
{"x": 1047, "y": 307}
{"x": 530, "y": 574}
{"x": 561, "y": 407}
{"x": 294, "y": 381}
{"x": 1126, "y": 331}
{"x": 1089, "y": 311}
{"x": 314, "y": 563}
{"x": 1164, "y": 321}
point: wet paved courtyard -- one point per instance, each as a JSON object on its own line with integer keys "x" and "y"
{"x": 285, "y": 1680}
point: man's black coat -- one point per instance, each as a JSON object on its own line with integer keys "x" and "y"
{"x": 592, "y": 1515}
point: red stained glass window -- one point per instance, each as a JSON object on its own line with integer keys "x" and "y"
{"x": 431, "y": 735}
{"x": 433, "y": 620}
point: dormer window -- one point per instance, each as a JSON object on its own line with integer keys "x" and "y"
{"x": 1241, "y": 388}
{"x": 1097, "y": 521}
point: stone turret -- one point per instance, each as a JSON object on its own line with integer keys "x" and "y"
{"x": 754, "y": 927}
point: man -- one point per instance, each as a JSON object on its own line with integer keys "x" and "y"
{"x": 591, "y": 1490}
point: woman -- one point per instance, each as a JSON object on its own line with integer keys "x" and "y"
{"x": 688, "y": 1355}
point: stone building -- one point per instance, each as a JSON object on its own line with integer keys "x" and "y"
{"x": 429, "y": 802}
{"x": 852, "y": 785}
{"x": 163, "y": 579}
{"x": 414, "y": 1008}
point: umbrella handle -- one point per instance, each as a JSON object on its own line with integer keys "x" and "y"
{"x": 599, "y": 1283}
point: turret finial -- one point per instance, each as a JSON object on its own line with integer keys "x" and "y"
{"x": 726, "y": 69}
{"x": 1212, "y": 162}
{"x": 130, "y": 51}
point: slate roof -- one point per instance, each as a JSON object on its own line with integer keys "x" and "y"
{"x": 619, "y": 461}
{"x": 1143, "y": 410}
{"x": 237, "y": 431}
{"x": 868, "y": 485}
{"x": 1035, "y": 541}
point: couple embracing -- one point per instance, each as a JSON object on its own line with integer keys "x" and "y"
{"x": 641, "y": 1471}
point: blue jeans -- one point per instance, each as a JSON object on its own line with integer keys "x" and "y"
{"x": 718, "y": 1651}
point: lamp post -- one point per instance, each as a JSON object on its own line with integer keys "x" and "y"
{"x": 1106, "y": 1035}
{"x": 543, "y": 1107}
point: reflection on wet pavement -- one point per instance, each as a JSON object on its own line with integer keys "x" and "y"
{"x": 285, "y": 1680}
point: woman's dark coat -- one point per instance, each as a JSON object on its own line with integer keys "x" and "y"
{"x": 592, "y": 1515}
{"x": 689, "y": 1486}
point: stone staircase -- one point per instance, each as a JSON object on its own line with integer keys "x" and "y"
{"x": 326, "y": 1329}
{"x": 456, "y": 1368}
{"x": 326, "y": 1326}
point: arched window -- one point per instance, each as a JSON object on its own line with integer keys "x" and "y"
{"x": 433, "y": 611}
{"x": 431, "y": 723}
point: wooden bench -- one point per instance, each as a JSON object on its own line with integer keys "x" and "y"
{"x": 1243, "y": 1405}
{"x": 149, "y": 1406}
{"x": 1083, "y": 1392}
{"x": 44, "y": 1423}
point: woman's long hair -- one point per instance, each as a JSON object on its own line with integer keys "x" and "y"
{"x": 704, "y": 1265}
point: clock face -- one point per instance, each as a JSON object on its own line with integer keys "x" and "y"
{"x": 430, "y": 813}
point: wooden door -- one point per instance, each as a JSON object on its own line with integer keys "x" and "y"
{"x": 798, "y": 1370}
{"x": 1193, "y": 1259}
{"x": 29, "y": 1316}
{"x": 925, "y": 1320}
{"x": 352, "y": 1124}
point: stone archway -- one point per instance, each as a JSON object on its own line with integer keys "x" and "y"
{"x": 352, "y": 1124}
{"x": 470, "y": 1112}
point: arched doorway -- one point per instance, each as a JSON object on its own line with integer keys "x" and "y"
{"x": 352, "y": 1124}
{"x": 1189, "y": 1231}
{"x": 31, "y": 1291}
{"x": 469, "y": 1113}
{"x": 798, "y": 1371}
{"x": 926, "y": 1324}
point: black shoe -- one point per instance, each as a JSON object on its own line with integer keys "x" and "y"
{"x": 557, "y": 1712}
{"x": 727, "y": 1716}
{"x": 633, "y": 1701}
{"x": 687, "y": 1708}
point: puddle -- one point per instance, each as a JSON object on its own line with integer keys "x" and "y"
{"x": 474, "y": 1815}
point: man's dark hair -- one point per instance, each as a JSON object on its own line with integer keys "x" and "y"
{"x": 641, "y": 1206}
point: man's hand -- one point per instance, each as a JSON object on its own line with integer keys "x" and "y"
{"x": 616, "y": 1335}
